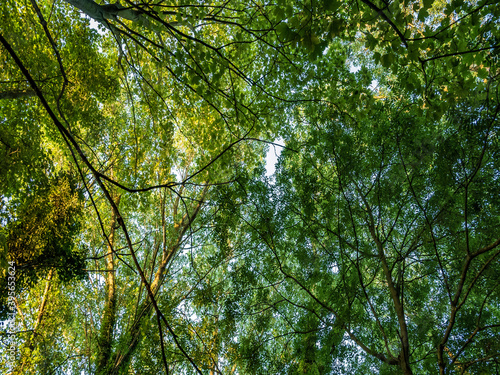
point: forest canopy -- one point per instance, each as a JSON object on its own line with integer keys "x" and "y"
{"x": 142, "y": 232}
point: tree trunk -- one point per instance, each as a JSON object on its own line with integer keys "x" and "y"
{"x": 105, "y": 339}
{"x": 109, "y": 12}
{"x": 122, "y": 358}
{"x": 31, "y": 343}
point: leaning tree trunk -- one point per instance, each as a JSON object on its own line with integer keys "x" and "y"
{"x": 106, "y": 13}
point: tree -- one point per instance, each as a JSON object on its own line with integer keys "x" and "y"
{"x": 195, "y": 262}
{"x": 377, "y": 241}
{"x": 102, "y": 128}
{"x": 43, "y": 235}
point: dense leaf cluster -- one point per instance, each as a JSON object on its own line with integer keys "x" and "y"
{"x": 132, "y": 140}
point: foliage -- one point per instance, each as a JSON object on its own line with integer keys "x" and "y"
{"x": 133, "y": 138}
{"x": 41, "y": 235}
{"x": 380, "y": 250}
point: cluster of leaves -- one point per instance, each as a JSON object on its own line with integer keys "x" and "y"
{"x": 359, "y": 209}
{"x": 373, "y": 248}
{"x": 41, "y": 234}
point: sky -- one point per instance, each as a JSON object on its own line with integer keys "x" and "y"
{"x": 272, "y": 157}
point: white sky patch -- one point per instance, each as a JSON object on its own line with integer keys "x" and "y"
{"x": 94, "y": 24}
{"x": 353, "y": 68}
{"x": 272, "y": 157}
{"x": 373, "y": 85}
{"x": 177, "y": 173}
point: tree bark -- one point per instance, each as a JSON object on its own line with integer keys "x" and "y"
{"x": 105, "y": 339}
{"x": 31, "y": 343}
{"x": 404, "y": 355}
{"x": 109, "y": 12}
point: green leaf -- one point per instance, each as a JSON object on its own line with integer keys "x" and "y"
{"x": 283, "y": 31}
{"x": 423, "y": 14}
{"x": 427, "y": 4}
{"x": 331, "y": 5}
{"x": 387, "y": 60}
{"x": 336, "y": 27}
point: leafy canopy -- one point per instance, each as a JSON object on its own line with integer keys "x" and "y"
{"x": 133, "y": 138}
